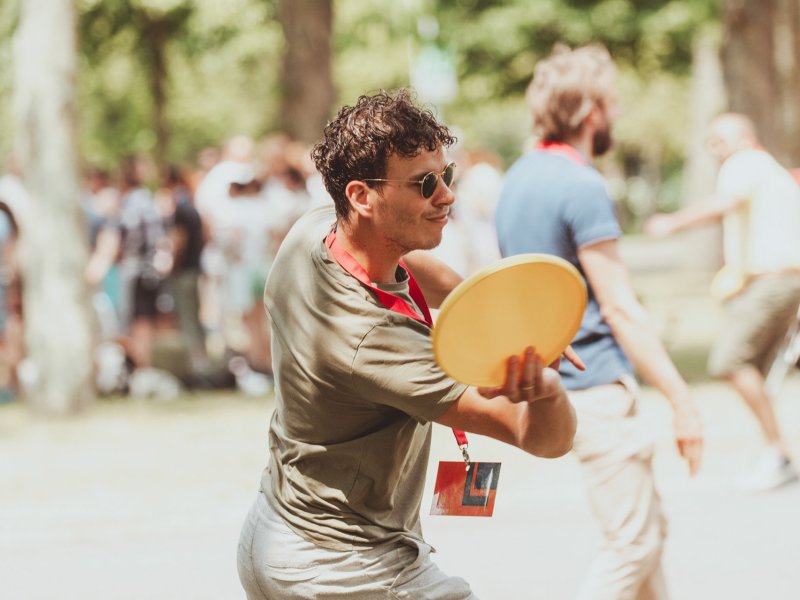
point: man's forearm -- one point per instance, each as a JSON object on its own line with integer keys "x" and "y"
{"x": 548, "y": 427}
{"x": 643, "y": 347}
{"x": 708, "y": 211}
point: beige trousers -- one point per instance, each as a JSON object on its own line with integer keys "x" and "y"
{"x": 615, "y": 451}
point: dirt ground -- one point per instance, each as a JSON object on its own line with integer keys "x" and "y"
{"x": 142, "y": 500}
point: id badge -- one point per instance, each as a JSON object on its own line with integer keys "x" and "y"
{"x": 466, "y": 492}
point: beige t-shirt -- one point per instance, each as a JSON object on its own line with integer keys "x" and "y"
{"x": 763, "y": 234}
{"x": 356, "y": 387}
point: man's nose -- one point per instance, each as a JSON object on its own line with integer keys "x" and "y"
{"x": 444, "y": 194}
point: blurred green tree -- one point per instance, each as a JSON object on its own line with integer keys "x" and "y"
{"x": 168, "y": 77}
{"x": 148, "y": 26}
{"x": 499, "y": 43}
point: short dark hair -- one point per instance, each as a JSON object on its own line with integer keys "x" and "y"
{"x": 358, "y": 142}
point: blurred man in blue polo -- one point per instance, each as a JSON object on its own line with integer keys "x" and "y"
{"x": 758, "y": 202}
{"x": 555, "y": 202}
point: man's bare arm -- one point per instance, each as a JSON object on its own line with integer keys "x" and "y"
{"x": 708, "y": 211}
{"x": 630, "y": 324}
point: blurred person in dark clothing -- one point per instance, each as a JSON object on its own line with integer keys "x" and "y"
{"x": 185, "y": 234}
{"x": 144, "y": 262}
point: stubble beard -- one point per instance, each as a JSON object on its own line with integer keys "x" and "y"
{"x": 602, "y": 141}
{"x": 410, "y": 235}
{"x": 404, "y": 246}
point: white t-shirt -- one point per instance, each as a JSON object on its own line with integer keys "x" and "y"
{"x": 763, "y": 234}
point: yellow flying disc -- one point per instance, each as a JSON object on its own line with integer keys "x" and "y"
{"x": 526, "y": 300}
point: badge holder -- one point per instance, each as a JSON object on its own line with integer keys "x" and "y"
{"x": 465, "y": 492}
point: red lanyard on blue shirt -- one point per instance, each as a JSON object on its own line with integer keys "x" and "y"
{"x": 564, "y": 150}
{"x": 389, "y": 300}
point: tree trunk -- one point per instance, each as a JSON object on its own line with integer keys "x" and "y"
{"x": 56, "y": 314}
{"x": 155, "y": 33}
{"x": 308, "y": 92}
{"x": 706, "y": 100}
{"x": 761, "y": 56}
{"x": 788, "y": 63}
{"x": 748, "y": 54}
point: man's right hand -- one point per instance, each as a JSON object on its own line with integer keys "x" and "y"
{"x": 530, "y": 410}
{"x": 688, "y": 433}
{"x": 527, "y": 380}
{"x": 659, "y": 226}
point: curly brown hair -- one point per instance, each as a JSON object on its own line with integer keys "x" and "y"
{"x": 357, "y": 144}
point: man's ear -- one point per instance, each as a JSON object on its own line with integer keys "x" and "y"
{"x": 594, "y": 117}
{"x": 360, "y": 196}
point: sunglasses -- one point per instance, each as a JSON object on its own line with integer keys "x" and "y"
{"x": 429, "y": 183}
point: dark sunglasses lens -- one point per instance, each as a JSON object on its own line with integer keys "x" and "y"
{"x": 429, "y": 184}
{"x": 447, "y": 176}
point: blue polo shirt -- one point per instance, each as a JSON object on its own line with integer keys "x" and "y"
{"x": 552, "y": 203}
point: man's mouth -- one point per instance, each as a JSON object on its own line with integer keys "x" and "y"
{"x": 440, "y": 216}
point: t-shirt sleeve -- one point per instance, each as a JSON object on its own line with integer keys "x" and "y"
{"x": 589, "y": 213}
{"x": 394, "y": 366}
{"x": 737, "y": 176}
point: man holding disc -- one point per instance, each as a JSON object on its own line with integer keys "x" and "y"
{"x": 555, "y": 202}
{"x": 356, "y": 383}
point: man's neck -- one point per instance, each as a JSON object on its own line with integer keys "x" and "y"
{"x": 371, "y": 251}
{"x": 583, "y": 142}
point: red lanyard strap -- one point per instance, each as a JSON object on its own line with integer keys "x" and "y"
{"x": 461, "y": 440}
{"x": 564, "y": 150}
{"x": 390, "y": 302}
{"x": 461, "y": 437}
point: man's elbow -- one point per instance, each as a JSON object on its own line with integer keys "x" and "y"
{"x": 554, "y": 448}
{"x": 558, "y": 451}
{"x": 556, "y": 438}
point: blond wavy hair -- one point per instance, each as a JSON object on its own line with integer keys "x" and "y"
{"x": 566, "y": 86}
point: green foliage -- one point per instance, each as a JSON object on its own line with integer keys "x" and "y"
{"x": 8, "y": 21}
{"x": 371, "y": 46}
{"x": 499, "y": 44}
{"x": 220, "y": 74}
{"x": 223, "y": 62}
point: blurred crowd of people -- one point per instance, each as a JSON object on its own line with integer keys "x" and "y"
{"x": 178, "y": 258}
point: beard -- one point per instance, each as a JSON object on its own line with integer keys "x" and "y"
{"x": 601, "y": 142}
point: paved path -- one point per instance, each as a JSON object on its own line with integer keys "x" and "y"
{"x": 144, "y": 501}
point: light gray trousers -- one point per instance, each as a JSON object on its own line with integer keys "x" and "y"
{"x": 276, "y": 563}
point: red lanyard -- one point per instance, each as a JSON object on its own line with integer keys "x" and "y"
{"x": 390, "y": 302}
{"x": 564, "y": 150}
